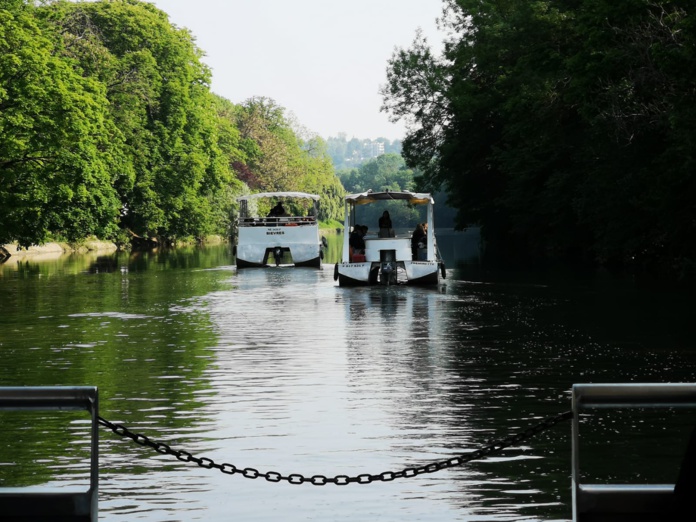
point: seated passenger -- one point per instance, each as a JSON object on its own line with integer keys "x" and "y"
{"x": 277, "y": 211}
{"x": 357, "y": 239}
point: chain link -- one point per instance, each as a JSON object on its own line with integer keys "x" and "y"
{"x": 340, "y": 480}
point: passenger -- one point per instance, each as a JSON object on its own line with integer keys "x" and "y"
{"x": 417, "y": 239}
{"x": 357, "y": 239}
{"x": 385, "y": 226}
{"x": 277, "y": 211}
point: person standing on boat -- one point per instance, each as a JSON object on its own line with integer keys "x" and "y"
{"x": 417, "y": 238}
{"x": 385, "y": 225}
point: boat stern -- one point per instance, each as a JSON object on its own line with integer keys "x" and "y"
{"x": 422, "y": 272}
{"x": 354, "y": 274}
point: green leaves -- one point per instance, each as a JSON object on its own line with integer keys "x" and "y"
{"x": 277, "y": 159}
{"x": 53, "y": 128}
{"x": 106, "y": 119}
{"x": 107, "y": 123}
{"x": 561, "y": 127}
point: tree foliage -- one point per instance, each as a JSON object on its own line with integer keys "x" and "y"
{"x": 352, "y": 153}
{"x": 161, "y": 101}
{"x": 278, "y": 159}
{"x": 564, "y": 128}
{"x": 57, "y": 142}
{"x": 320, "y": 178}
{"x": 108, "y": 125}
{"x": 385, "y": 172}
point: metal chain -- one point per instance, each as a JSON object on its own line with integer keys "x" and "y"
{"x": 340, "y": 480}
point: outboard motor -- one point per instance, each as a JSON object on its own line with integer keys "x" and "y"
{"x": 278, "y": 255}
{"x": 387, "y": 266}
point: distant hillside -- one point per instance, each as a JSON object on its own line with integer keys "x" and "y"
{"x": 352, "y": 153}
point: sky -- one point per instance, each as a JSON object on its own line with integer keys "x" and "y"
{"x": 322, "y": 60}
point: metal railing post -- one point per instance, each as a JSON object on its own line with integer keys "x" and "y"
{"x": 48, "y": 504}
{"x": 619, "y": 501}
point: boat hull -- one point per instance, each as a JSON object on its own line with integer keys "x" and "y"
{"x": 368, "y": 273}
{"x": 257, "y": 246}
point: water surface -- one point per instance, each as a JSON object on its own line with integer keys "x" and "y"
{"x": 280, "y": 369}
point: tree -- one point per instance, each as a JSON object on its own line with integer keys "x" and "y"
{"x": 58, "y": 146}
{"x": 560, "y": 127}
{"x": 385, "y": 172}
{"x": 274, "y": 161}
{"x": 279, "y": 160}
{"x": 320, "y": 178}
{"x": 160, "y": 99}
{"x": 108, "y": 126}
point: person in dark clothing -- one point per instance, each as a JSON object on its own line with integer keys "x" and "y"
{"x": 277, "y": 211}
{"x": 417, "y": 238}
{"x": 385, "y": 225}
{"x": 357, "y": 239}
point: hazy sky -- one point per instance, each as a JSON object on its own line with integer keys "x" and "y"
{"x": 323, "y": 60}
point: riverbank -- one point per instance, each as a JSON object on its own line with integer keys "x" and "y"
{"x": 55, "y": 249}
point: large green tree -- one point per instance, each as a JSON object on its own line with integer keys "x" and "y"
{"x": 276, "y": 160}
{"x": 108, "y": 128}
{"x": 319, "y": 178}
{"x": 279, "y": 159}
{"x": 58, "y": 145}
{"x": 385, "y": 172}
{"x": 160, "y": 97}
{"x": 564, "y": 128}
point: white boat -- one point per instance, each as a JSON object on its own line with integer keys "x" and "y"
{"x": 291, "y": 233}
{"x": 390, "y": 258}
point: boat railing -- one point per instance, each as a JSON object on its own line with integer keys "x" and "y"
{"x": 623, "y": 502}
{"x": 50, "y": 503}
{"x": 277, "y": 221}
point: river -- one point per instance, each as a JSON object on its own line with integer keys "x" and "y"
{"x": 281, "y": 370}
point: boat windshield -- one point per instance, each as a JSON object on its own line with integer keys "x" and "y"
{"x": 267, "y": 208}
{"x": 403, "y": 210}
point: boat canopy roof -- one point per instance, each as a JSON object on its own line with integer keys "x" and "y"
{"x": 415, "y": 198}
{"x": 260, "y": 195}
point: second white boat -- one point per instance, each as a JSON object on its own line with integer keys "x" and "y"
{"x": 392, "y": 255}
{"x": 289, "y": 234}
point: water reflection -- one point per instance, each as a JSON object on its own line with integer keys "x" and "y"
{"x": 280, "y": 369}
